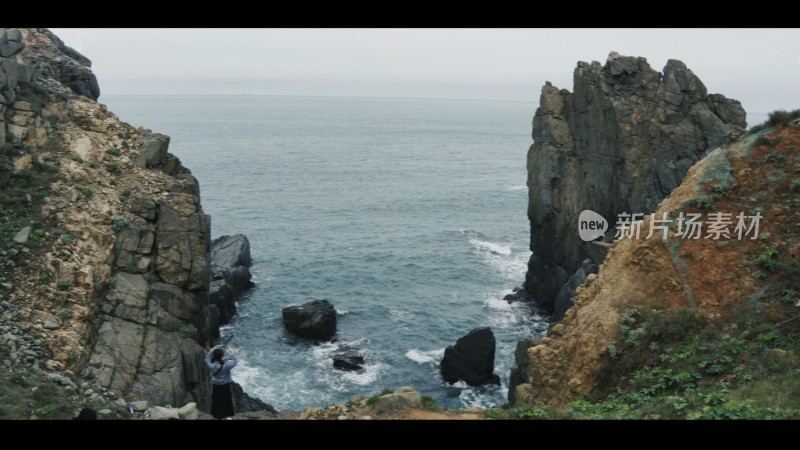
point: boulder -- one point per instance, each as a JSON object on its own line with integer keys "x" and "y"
{"x": 471, "y": 359}
{"x": 231, "y": 251}
{"x": 22, "y": 235}
{"x": 161, "y": 413}
{"x": 141, "y": 405}
{"x": 189, "y": 411}
{"x": 403, "y": 397}
{"x": 10, "y": 42}
{"x": 314, "y": 320}
{"x": 348, "y": 359}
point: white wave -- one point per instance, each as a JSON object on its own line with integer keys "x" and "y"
{"x": 342, "y": 312}
{"x": 499, "y": 249}
{"x": 518, "y": 188}
{"x": 422, "y": 357}
{"x": 367, "y": 375}
{"x": 498, "y": 304}
{"x": 323, "y": 351}
{"x": 473, "y": 398}
{"x": 400, "y": 315}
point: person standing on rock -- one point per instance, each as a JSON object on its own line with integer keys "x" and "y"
{"x": 221, "y": 397}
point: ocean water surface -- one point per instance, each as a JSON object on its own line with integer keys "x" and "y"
{"x": 409, "y": 215}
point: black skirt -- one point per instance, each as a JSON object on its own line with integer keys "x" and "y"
{"x": 221, "y": 401}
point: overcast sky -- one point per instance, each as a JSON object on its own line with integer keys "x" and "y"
{"x": 761, "y": 68}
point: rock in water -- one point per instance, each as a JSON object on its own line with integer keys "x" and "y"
{"x": 348, "y": 359}
{"x": 620, "y": 142}
{"x": 314, "y": 320}
{"x": 230, "y": 259}
{"x": 471, "y": 359}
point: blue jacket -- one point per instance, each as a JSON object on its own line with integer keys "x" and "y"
{"x": 221, "y": 376}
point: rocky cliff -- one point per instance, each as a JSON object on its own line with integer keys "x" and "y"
{"x": 740, "y": 354}
{"x": 620, "y": 142}
{"x": 112, "y": 274}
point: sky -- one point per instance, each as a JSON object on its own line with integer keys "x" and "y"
{"x": 759, "y": 67}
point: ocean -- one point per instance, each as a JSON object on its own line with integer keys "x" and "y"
{"x": 409, "y": 215}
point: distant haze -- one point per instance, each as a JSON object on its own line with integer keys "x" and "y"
{"x": 759, "y": 67}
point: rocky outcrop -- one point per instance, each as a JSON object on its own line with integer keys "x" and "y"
{"x": 155, "y": 307}
{"x": 712, "y": 277}
{"x": 122, "y": 240}
{"x": 566, "y": 297}
{"x": 620, "y": 142}
{"x": 243, "y": 403}
{"x": 471, "y": 359}
{"x": 52, "y": 58}
{"x": 230, "y": 259}
{"x": 313, "y": 320}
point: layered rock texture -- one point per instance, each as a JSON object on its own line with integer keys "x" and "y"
{"x": 620, "y": 142}
{"x": 116, "y": 284}
{"x": 754, "y": 175}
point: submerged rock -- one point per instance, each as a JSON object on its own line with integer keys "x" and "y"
{"x": 471, "y": 359}
{"x": 314, "y": 320}
{"x": 348, "y": 359}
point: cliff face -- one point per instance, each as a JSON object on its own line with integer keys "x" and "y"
{"x": 621, "y": 142}
{"x": 716, "y": 278}
{"x": 122, "y": 244}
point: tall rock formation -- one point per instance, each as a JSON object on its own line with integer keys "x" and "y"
{"x": 123, "y": 244}
{"x": 621, "y": 142}
{"x": 744, "y": 276}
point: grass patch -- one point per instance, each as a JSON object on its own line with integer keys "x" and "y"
{"x": 22, "y": 392}
{"x": 520, "y": 413}
{"x": 669, "y": 364}
{"x": 430, "y": 404}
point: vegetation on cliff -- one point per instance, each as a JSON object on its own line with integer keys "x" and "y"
{"x": 690, "y": 328}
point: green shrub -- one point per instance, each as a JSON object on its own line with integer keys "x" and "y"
{"x": 37, "y": 235}
{"x": 87, "y": 192}
{"x": 113, "y": 152}
{"x": 703, "y": 201}
{"x": 62, "y": 285}
{"x": 150, "y": 277}
{"x": 67, "y": 238}
{"x": 118, "y": 223}
{"x": 44, "y": 278}
{"x": 768, "y": 259}
{"x": 429, "y": 403}
{"x": 65, "y": 314}
{"x": 188, "y": 331}
{"x": 113, "y": 169}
